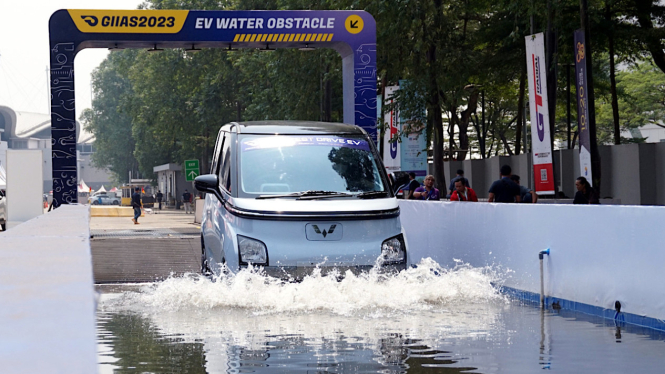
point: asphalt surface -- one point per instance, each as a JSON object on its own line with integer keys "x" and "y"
{"x": 162, "y": 244}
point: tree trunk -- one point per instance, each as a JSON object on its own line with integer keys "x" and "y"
{"x": 653, "y": 42}
{"x": 613, "y": 82}
{"x": 506, "y": 146}
{"x": 552, "y": 73}
{"x": 327, "y": 97}
{"x": 520, "y": 111}
{"x": 434, "y": 116}
{"x": 464, "y": 124}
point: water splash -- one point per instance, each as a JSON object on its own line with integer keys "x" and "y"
{"x": 425, "y": 287}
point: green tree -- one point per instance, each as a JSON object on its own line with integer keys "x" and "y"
{"x": 641, "y": 101}
{"x": 108, "y": 121}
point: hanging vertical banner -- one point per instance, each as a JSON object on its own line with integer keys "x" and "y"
{"x": 543, "y": 172}
{"x": 413, "y": 149}
{"x": 582, "y": 108}
{"x": 391, "y": 147}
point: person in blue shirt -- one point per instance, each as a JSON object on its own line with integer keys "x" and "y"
{"x": 137, "y": 205}
{"x": 526, "y": 195}
{"x": 504, "y": 190}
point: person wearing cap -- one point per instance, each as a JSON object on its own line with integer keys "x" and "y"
{"x": 460, "y": 176}
{"x": 137, "y": 205}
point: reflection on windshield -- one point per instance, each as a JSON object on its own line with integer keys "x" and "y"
{"x": 285, "y": 164}
{"x": 355, "y": 167}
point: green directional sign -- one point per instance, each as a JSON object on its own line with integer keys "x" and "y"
{"x": 191, "y": 170}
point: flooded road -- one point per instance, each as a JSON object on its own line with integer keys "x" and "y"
{"x": 424, "y": 320}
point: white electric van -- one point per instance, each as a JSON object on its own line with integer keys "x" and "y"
{"x": 292, "y": 196}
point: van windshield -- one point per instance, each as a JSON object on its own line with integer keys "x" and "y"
{"x": 278, "y": 164}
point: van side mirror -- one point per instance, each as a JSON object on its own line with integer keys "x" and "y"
{"x": 206, "y": 183}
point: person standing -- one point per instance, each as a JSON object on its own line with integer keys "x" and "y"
{"x": 427, "y": 191}
{"x": 137, "y": 205}
{"x": 413, "y": 184}
{"x": 460, "y": 176}
{"x": 585, "y": 193}
{"x": 187, "y": 200}
{"x": 463, "y": 193}
{"x": 159, "y": 197}
{"x": 526, "y": 195}
{"x": 504, "y": 190}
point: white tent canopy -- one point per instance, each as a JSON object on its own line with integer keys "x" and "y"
{"x": 83, "y": 187}
{"x": 101, "y": 189}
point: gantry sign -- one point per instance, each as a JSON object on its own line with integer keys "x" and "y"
{"x": 351, "y": 33}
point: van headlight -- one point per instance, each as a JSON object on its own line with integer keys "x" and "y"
{"x": 393, "y": 250}
{"x": 252, "y": 251}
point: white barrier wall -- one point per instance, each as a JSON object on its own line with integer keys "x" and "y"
{"x": 599, "y": 254}
{"x": 24, "y": 186}
{"x": 47, "y": 299}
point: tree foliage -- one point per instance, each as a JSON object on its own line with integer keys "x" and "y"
{"x": 463, "y": 62}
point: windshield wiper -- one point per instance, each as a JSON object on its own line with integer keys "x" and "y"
{"x": 307, "y": 195}
{"x": 372, "y": 194}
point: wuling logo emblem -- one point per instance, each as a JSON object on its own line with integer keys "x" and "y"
{"x": 331, "y": 229}
{"x": 90, "y": 20}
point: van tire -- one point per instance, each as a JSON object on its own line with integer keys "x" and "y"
{"x": 3, "y": 226}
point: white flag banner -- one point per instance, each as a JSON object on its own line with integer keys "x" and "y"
{"x": 543, "y": 171}
{"x": 391, "y": 151}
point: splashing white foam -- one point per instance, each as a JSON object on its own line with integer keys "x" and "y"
{"x": 425, "y": 287}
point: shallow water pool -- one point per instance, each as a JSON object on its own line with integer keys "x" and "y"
{"x": 425, "y": 320}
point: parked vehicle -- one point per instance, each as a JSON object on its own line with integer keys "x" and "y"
{"x": 294, "y": 196}
{"x": 3, "y": 210}
{"x": 104, "y": 198}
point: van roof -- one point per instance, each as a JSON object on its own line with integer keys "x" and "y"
{"x": 296, "y": 127}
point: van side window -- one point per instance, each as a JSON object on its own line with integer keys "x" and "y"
{"x": 225, "y": 164}
{"x": 215, "y": 155}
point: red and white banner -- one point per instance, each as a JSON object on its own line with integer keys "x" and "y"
{"x": 391, "y": 149}
{"x": 543, "y": 172}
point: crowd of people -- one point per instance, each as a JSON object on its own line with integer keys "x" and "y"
{"x": 507, "y": 189}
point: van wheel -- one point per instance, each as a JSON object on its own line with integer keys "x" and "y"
{"x": 205, "y": 269}
{"x": 115, "y": 202}
{"x": 3, "y": 226}
{"x": 95, "y": 202}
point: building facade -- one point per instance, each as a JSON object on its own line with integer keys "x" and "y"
{"x": 25, "y": 130}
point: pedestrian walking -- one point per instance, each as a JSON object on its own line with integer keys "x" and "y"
{"x": 504, "y": 190}
{"x": 159, "y": 197}
{"x": 137, "y": 205}
{"x": 187, "y": 200}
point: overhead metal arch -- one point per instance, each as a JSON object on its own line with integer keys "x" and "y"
{"x": 351, "y": 33}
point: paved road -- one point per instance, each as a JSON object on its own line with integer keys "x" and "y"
{"x": 162, "y": 244}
